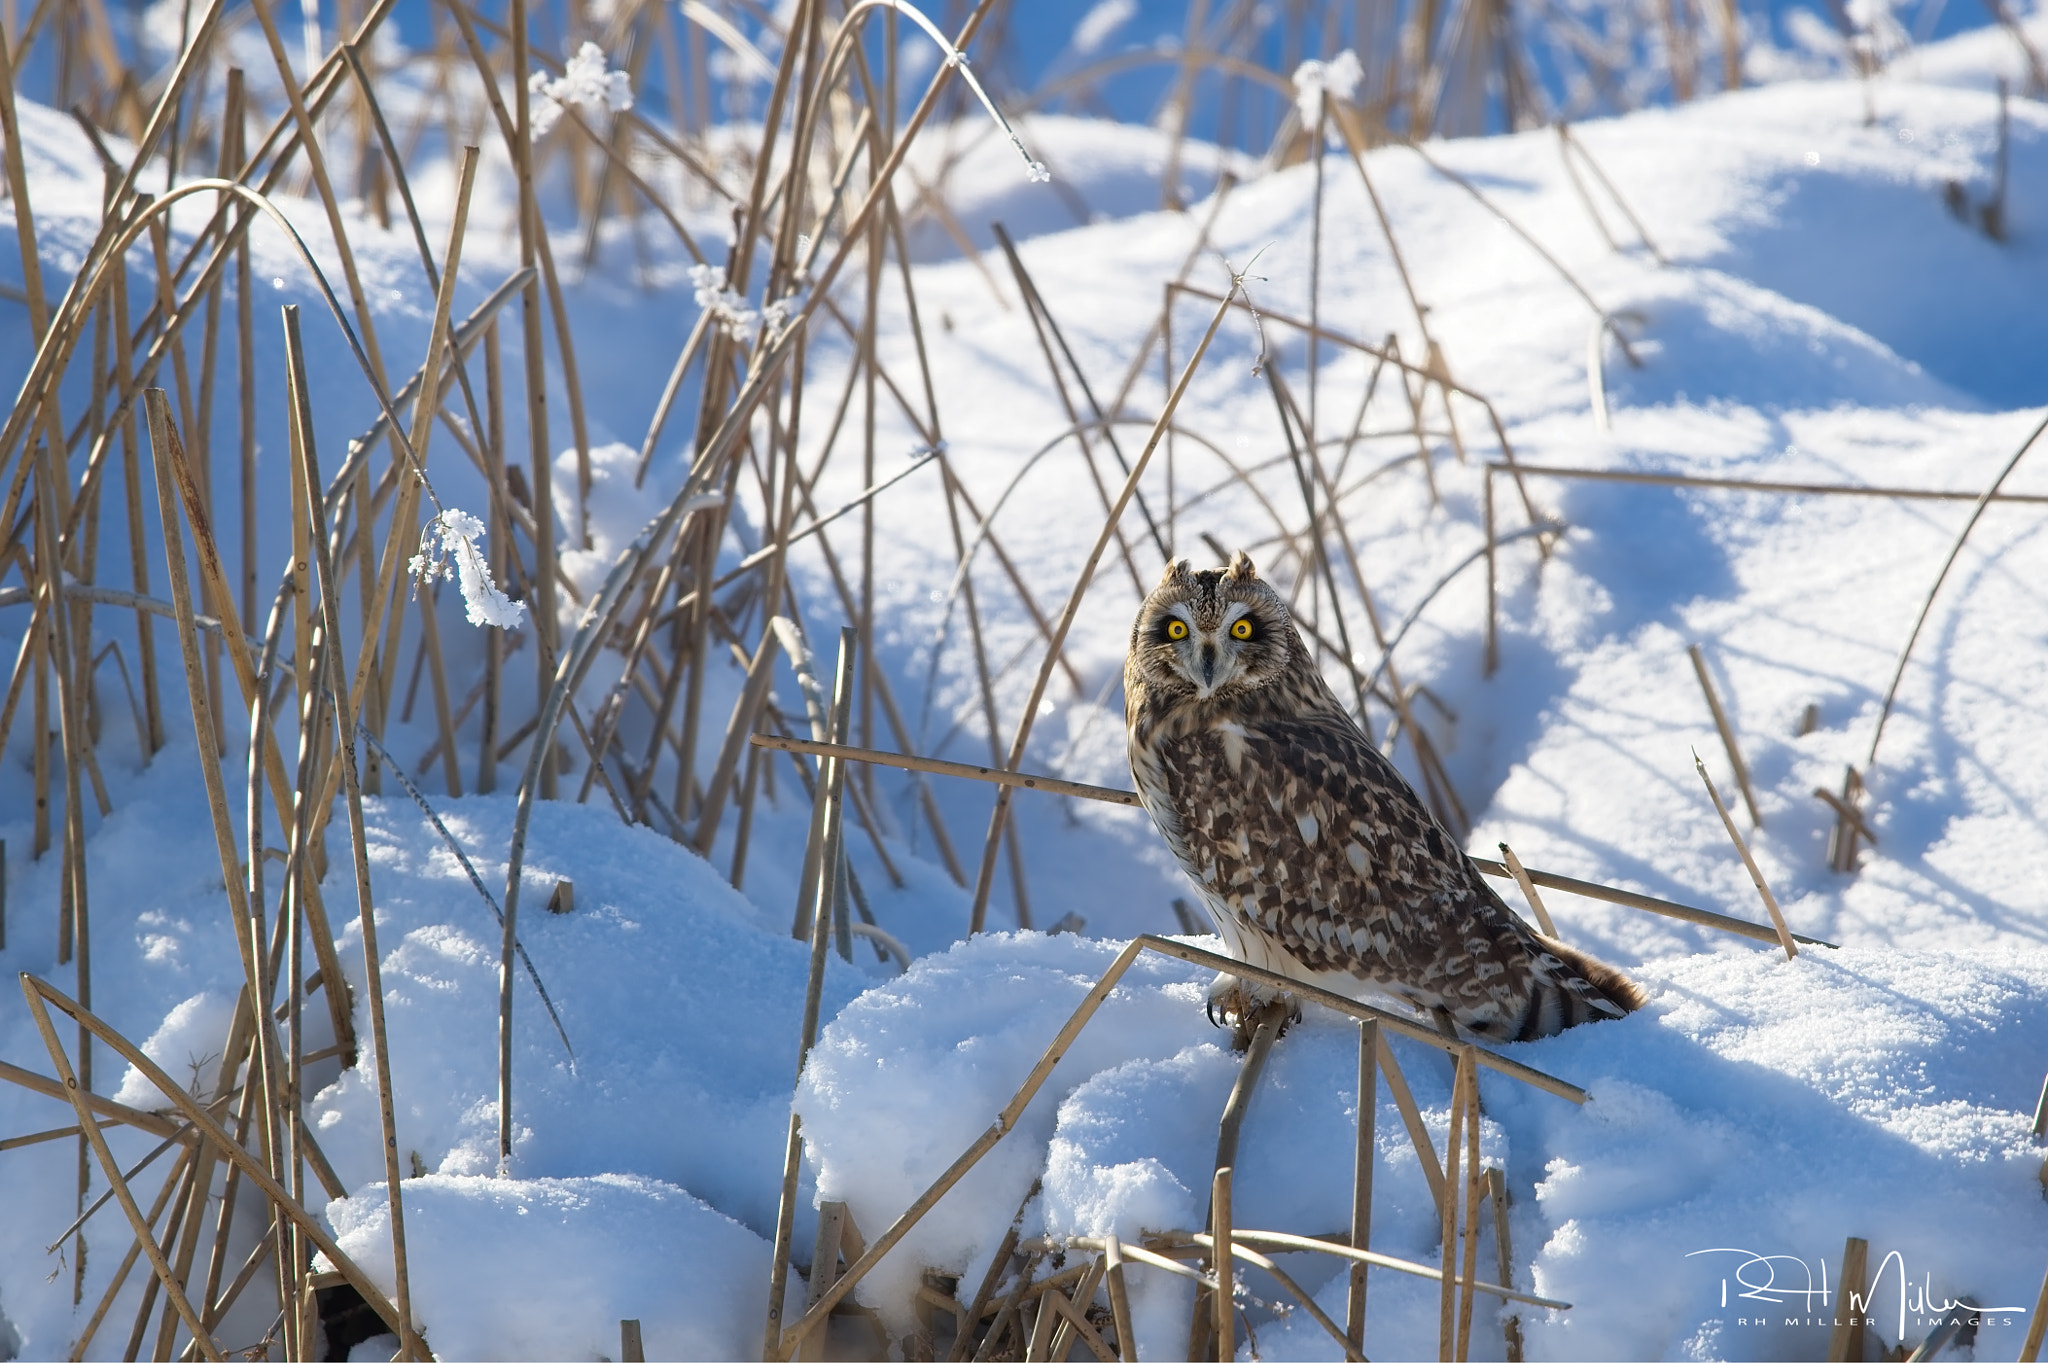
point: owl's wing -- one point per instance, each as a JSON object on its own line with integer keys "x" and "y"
{"x": 1346, "y": 869}
{"x": 1376, "y": 847}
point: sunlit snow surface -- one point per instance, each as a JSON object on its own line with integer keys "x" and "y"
{"x": 1822, "y": 319}
{"x": 1755, "y": 1105}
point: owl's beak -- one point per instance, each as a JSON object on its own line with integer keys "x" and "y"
{"x": 1208, "y": 667}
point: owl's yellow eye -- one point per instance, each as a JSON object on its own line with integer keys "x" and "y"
{"x": 1176, "y": 629}
{"x": 1242, "y": 629}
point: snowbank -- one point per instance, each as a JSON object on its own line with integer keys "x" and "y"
{"x": 1756, "y": 1107}
{"x": 547, "y": 1268}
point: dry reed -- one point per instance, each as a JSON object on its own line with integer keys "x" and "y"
{"x": 1756, "y": 875}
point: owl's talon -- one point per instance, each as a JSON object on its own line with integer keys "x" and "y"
{"x": 1243, "y": 1007}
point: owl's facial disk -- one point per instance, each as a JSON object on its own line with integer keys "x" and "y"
{"x": 1215, "y": 632}
{"x": 1210, "y": 654}
{"x": 1214, "y": 647}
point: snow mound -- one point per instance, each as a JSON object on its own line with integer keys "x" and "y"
{"x": 1852, "y": 1092}
{"x": 659, "y": 957}
{"x": 530, "y": 1268}
{"x": 1101, "y": 172}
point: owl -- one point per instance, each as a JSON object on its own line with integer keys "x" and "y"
{"x": 1312, "y": 855}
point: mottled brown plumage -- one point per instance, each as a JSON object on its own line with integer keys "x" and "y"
{"x": 1312, "y": 855}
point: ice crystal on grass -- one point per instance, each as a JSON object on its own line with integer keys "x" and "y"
{"x": 586, "y": 82}
{"x": 448, "y": 547}
{"x": 1338, "y": 77}
{"x": 727, "y": 305}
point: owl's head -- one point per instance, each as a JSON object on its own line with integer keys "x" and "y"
{"x": 1215, "y": 632}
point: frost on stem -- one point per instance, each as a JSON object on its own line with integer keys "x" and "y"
{"x": 586, "y": 82}
{"x": 1337, "y": 78}
{"x": 1034, "y": 170}
{"x": 728, "y": 306}
{"x": 448, "y": 546}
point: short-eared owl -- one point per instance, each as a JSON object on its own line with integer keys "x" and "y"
{"x": 1311, "y": 853}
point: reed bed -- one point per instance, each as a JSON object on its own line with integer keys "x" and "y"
{"x": 135, "y": 530}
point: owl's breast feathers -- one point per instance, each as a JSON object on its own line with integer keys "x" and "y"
{"x": 1298, "y": 825}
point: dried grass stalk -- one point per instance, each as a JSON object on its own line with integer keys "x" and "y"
{"x": 344, "y": 724}
{"x": 1727, "y": 731}
{"x": 1845, "y": 1340}
{"x": 1514, "y": 865}
{"x": 1749, "y": 862}
{"x": 1224, "y": 1298}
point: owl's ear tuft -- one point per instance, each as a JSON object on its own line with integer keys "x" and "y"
{"x": 1241, "y": 569}
{"x": 1178, "y": 574}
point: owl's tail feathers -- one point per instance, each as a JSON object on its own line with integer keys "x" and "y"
{"x": 1575, "y": 988}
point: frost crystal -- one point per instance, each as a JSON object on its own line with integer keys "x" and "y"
{"x": 585, "y": 82}
{"x": 1338, "y": 77}
{"x": 448, "y": 546}
{"x": 726, "y": 304}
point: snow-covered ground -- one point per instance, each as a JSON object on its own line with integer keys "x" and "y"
{"x": 1820, "y": 316}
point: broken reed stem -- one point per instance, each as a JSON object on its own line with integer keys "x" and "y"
{"x": 1755, "y": 875}
{"x": 1566, "y": 140}
{"x": 1699, "y": 667}
{"x": 1475, "y": 1180}
{"x": 1119, "y": 1299}
{"x": 1515, "y": 869}
{"x": 1447, "y": 1211}
{"x": 1365, "y": 1157}
{"x": 1572, "y": 280}
{"x": 1849, "y": 815}
{"x": 1224, "y": 1301}
{"x": 1286, "y": 1280}
{"x": 2037, "y": 1324}
{"x": 1265, "y": 1029}
{"x": 1504, "y": 1256}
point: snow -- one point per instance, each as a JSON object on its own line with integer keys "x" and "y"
{"x": 1314, "y": 80}
{"x": 565, "y": 1260}
{"x": 448, "y": 544}
{"x": 586, "y": 83}
{"x": 1823, "y": 318}
{"x": 1755, "y": 1104}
